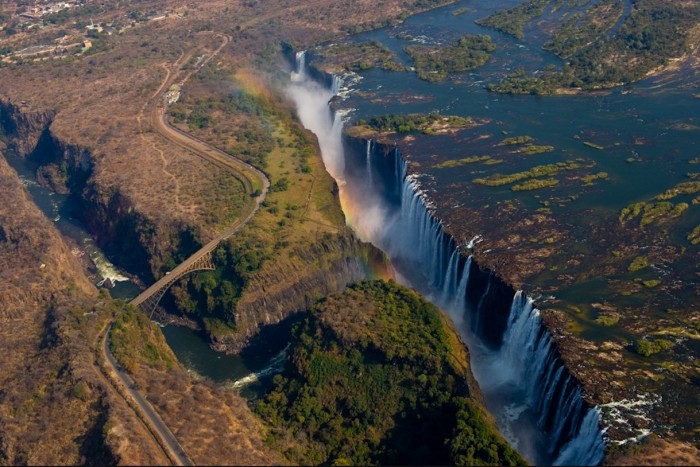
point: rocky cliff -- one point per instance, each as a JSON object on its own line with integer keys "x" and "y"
{"x": 291, "y": 284}
{"x": 141, "y": 245}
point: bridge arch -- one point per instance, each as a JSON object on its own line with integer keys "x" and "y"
{"x": 148, "y": 299}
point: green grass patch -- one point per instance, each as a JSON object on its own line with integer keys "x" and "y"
{"x": 607, "y": 320}
{"x": 135, "y": 340}
{"x": 589, "y": 179}
{"x": 652, "y": 212}
{"x": 683, "y": 188}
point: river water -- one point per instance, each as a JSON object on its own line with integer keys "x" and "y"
{"x": 63, "y": 211}
{"x": 251, "y": 371}
{"x": 644, "y": 137}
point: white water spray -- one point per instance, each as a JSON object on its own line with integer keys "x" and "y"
{"x": 541, "y": 396}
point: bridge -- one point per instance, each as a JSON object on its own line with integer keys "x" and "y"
{"x": 200, "y": 261}
{"x": 252, "y": 179}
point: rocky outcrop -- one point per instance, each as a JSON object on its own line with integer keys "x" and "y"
{"x": 23, "y": 128}
{"x": 293, "y": 283}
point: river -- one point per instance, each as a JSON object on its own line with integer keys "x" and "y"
{"x": 643, "y": 138}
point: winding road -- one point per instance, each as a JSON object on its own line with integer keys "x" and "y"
{"x": 252, "y": 179}
{"x": 155, "y": 424}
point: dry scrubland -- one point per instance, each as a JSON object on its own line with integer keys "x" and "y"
{"x": 56, "y": 405}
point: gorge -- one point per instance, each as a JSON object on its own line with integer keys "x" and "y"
{"x": 539, "y": 407}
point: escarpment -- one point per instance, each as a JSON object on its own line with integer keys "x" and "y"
{"x": 291, "y": 284}
{"x": 138, "y": 241}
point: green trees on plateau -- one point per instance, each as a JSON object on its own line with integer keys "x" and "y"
{"x": 376, "y": 375}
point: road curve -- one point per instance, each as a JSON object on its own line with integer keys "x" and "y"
{"x": 246, "y": 174}
{"x": 241, "y": 170}
{"x": 167, "y": 440}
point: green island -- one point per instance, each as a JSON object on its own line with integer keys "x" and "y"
{"x": 428, "y": 124}
{"x": 538, "y": 171}
{"x": 534, "y": 149}
{"x": 515, "y": 140}
{"x": 512, "y": 21}
{"x": 593, "y": 145}
{"x": 378, "y": 376}
{"x": 535, "y": 184}
{"x": 663, "y": 210}
{"x": 589, "y": 179}
{"x": 435, "y": 63}
{"x": 652, "y": 212}
{"x": 694, "y": 236}
{"x": 599, "y": 53}
{"x": 583, "y": 28}
{"x": 465, "y": 161}
{"x": 646, "y": 348}
{"x": 340, "y": 58}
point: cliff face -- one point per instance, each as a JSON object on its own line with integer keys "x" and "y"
{"x": 23, "y": 128}
{"x": 293, "y": 283}
{"x": 133, "y": 241}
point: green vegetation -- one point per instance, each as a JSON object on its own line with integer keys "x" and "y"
{"x": 535, "y": 184}
{"x": 653, "y": 33}
{"x": 465, "y": 161}
{"x": 212, "y": 295}
{"x": 434, "y": 64}
{"x": 427, "y": 123}
{"x": 337, "y": 58}
{"x": 593, "y": 145}
{"x": 646, "y": 348}
{"x": 207, "y": 108}
{"x": 652, "y": 212}
{"x": 683, "y": 188}
{"x": 583, "y": 28}
{"x": 694, "y": 236}
{"x": 607, "y": 320}
{"x": 513, "y": 21}
{"x": 650, "y": 284}
{"x": 640, "y": 262}
{"x": 538, "y": 171}
{"x": 533, "y": 149}
{"x": 377, "y": 376}
{"x": 589, "y": 179}
{"x": 514, "y": 140}
{"x": 136, "y": 340}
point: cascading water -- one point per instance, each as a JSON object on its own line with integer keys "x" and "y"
{"x": 537, "y": 403}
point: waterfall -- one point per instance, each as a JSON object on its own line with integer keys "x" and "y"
{"x": 529, "y": 351}
{"x": 300, "y": 68}
{"x": 521, "y": 374}
{"x": 527, "y": 358}
{"x": 368, "y": 161}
